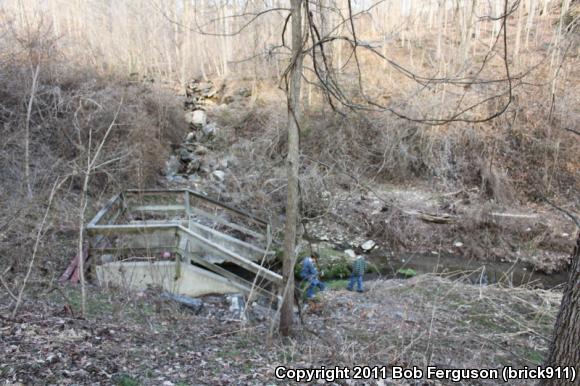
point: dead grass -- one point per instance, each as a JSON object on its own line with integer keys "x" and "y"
{"x": 72, "y": 109}
{"x": 427, "y": 320}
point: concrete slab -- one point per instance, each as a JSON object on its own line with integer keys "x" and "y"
{"x": 191, "y": 281}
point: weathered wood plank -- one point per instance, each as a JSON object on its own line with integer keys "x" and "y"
{"x": 250, "y": 248}
{"x": 242, "y": 284}
{"x": 200, "y": 196}
{"x": 158, "y": 208}
{"x": 128, "y": 228}
{"x": 104, "y": 210}
{"x": 125, "y": 251}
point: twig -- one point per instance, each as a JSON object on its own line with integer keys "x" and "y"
{"x": 6, "y": 285}
{"x": 37, "y": 242}
{"x": 567, "y": 213}
{"x": 572, "y": 130}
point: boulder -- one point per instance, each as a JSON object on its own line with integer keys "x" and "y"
{"x": 197, "y": 118}
{"x": 190, "y": 137}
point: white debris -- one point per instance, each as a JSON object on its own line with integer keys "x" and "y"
{"x": 368, "y": 245}
{"x": 196, "y": 118}
{"x": 218, "y": 175}
{"x": 458, "y": 244}
{"x": 350, "y": 253}
{"x": 237, "y": 305}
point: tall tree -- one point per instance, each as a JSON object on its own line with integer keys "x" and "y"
{"x": 293, "y": 86}
{"x": 565, "y": 347}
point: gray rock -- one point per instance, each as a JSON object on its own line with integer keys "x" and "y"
{"x": 259, "y": 313}
{"x": 185, "y": 155}
{"x": 223, "y": 163}
{"x": 172, "y": 166}
{"x": 200, "y": 150}
{"x": 218, "y": 175}
{"x": 196, "y": 118}
{"x": 193, "y": 166}
{"x": 190, "y": 137}
{"x": 176, "y": 179}
{"x": 209, "y": 130}
{"x": 368, "y": 245}
{"x": 193, "y": 304}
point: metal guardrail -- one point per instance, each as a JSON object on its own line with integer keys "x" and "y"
{"x": 105, "y": 224}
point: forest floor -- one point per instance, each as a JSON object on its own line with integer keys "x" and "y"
{"x": 142, "y": 339}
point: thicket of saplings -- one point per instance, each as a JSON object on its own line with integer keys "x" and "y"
{"x": 53, "y": 117}
{"x": 55, "y": 111}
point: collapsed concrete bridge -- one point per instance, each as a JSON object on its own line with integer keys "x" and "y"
{"x": 182, "y": 241}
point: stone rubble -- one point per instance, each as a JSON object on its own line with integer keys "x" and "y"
{"x": 192, "y": 162}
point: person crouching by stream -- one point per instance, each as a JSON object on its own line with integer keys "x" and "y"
{"x": 359, "y": 267}
{"x": 310, "y": 273}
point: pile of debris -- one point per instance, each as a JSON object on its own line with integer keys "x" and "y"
{"x": 191, "y": 161}
{"x": 225, "y": 307}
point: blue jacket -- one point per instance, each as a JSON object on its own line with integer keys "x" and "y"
{"x": 309, "y": 270}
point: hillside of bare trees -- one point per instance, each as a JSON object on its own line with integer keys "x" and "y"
{"x": 442, "y": 134}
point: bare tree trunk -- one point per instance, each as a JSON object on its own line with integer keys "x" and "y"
{"x": 293, "y": 100}
{"x": 80, "y": 252}
{"x": 35, "y": 250}
{"x": 565, "y": 349}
